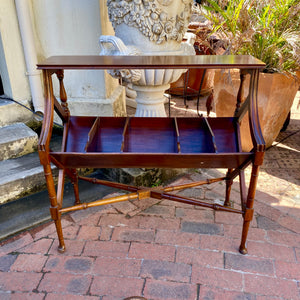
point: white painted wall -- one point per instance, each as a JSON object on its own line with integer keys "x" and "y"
{"x": 73, "y": 27}
{"x": 61, "y": 27}
{"x": 12, "y": 63}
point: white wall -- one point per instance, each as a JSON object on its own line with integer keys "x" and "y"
{"x": 61, "y": 27}
{"x": 71, "y": 27}
{"x": 12, "y": 63}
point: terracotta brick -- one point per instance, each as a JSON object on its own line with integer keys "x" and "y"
{"x": 29, "y": 263}
{"x": 117, "y": 220}
{"x": 164, "y": 270}
{"x": 176, "y": 204}
{"x": 117, "y": 267}
{"x": 290, "y": 223}
{"x": 106, "y": 233}
{"x": 106, "y": 249}
{"x": 200, "y": 257}
{"x": 68, "y": 264}
{"x": 133, "y": 235}
{"x": 267, "y": 250}
{"x": 5, "y": 295}
{"x": 202, "y": 228}
{"x": 25, "y": 296}
{"x": 203, "y": 215}
{"x": 265, "y": 198}
{"x": 248, "y": 264}
{"x": 111, "y": 298}
{"x": 16, "y": 243}
{"x": 284, "y": 238}
{"x": 49, "y": 228}
{"x": 73, "y": 247}
{"x": 65, "y": 283}
{"x": 69, "y": 232}
{"x": 228, "y": 218}
{"x": 267, "y": 224}
{"x": 69, "y": 297}
{"x": 23, "y": 282}
{"x": 297, "y": 251}
{"x": 166, "y": 290}
{"x": 145, "y": 203}
{"x": 6, "y": 261}
{"x": 177, "y": 238}
{"x": 208, "y": 293}
{"x": 270, "y": 286}
{"x": 267, "y": 211}
{"x": 90, "y": 219}
{"x": 124, "y": 207}
{"x": 91, "y": 215}
{"x": 258, "y": 297}
{"x": 228, "y": 279}
{"x": 192, "y": 193}
{"x": 287, "y": 270}
{"x": 116, "y": 286}
{"x": 152, "y": 222}
{"x": 152, "y": 251}
{"x": 160, "y": 211}
{"x": 220, "y": 243}
{"x": 41, "y": 246}
{"x": 88, "y": 233}
{"x": 214, "y": 195}
{"x": 254, "y": 234}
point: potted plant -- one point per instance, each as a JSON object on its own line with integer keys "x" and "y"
{"x": 268, "y": 30}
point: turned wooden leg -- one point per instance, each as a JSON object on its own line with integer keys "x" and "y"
{"x": 249, "y": 212}
{"x": 54, "y": 207}
{"x": 56, "y": 216}
{"x": 75, "y": 186}
{"x": 229, "y": 182}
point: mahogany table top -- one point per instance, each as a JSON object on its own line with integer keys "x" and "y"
{"x": 152, "y": 62}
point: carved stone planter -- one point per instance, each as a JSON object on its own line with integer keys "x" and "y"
{"x": 148, "y": 27}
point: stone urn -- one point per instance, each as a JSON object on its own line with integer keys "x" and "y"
{"x": 276, "y": 93}
{"x": 148, "y": 27}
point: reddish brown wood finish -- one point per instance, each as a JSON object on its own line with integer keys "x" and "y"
{"x": 110, "y": 142}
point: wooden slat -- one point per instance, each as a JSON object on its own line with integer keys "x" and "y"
{"x": 212, "y": 134}
{"x": 150, "y": 160}
{"x": 92, "y": 133}
{"x": 178, "y": 136}
{"x": 124, "y": 133}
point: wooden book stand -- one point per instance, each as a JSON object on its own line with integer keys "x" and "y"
{"x": 119, "y": 142}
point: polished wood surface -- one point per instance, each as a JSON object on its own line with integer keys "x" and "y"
{"x": 154, "y": 62}
{"x": 111, "y": 142}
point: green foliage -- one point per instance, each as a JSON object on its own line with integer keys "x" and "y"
{"x": 266, "y": 29}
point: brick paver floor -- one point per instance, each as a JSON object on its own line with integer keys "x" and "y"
{"x": 166, "y": 250}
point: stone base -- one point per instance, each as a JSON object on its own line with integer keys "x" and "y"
{"x": 143, "y": 177}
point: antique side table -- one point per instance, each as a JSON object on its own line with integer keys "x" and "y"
{"x": 119, "y": 142}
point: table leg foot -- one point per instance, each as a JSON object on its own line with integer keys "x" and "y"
{"x": 243, "y": 250}
{"x": 61, "y": 249}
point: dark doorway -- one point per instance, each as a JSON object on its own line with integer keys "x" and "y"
{"x": 1, "y": 87}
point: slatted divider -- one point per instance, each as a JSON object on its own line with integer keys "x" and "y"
{"x": 177, "y": 134}
{"x": 212, "y": 134}
{"x": 124, "y": 133}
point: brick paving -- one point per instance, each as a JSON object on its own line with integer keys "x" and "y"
{"x": 169, "y": 250}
